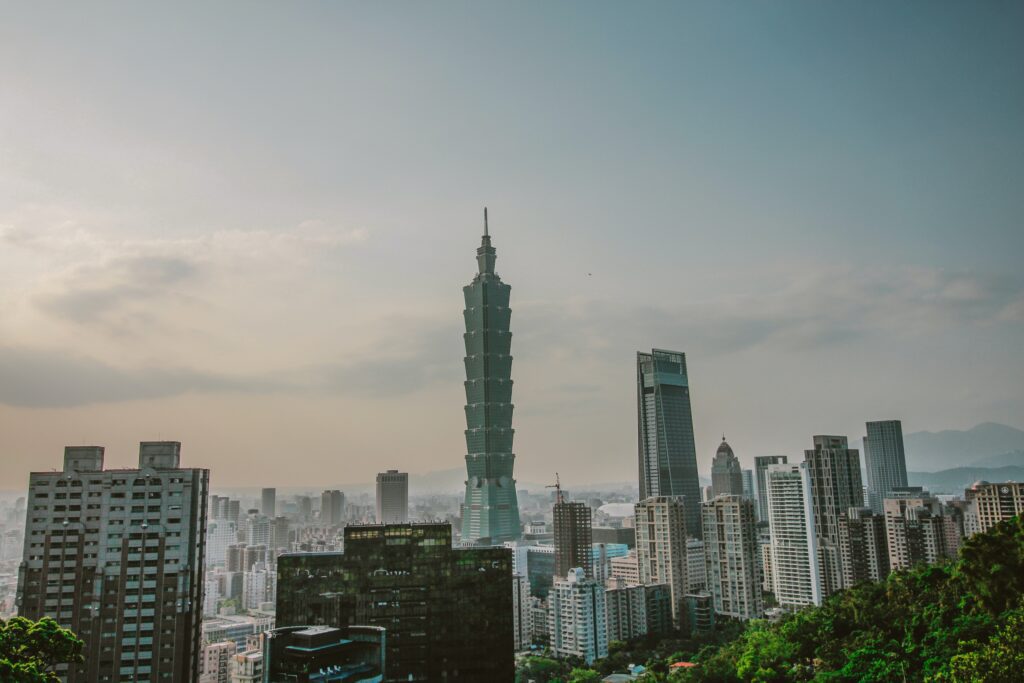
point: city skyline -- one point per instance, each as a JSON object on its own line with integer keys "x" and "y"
{"x": 814, "y": 209}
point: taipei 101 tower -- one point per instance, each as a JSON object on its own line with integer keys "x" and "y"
{"x": 491, "y": 513}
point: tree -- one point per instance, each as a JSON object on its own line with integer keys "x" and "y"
{"x": 584, "y": 676}
{"x": 30, "y": 649}
{"x": 1000, "y": 660}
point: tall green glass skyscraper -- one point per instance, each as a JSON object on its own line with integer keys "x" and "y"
{"x": 667, "y": 454}
{"x": 491, "y": 514}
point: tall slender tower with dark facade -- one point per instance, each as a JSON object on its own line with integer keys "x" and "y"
{"x": 667, "y": 454}
{"x": 491, "y": 513}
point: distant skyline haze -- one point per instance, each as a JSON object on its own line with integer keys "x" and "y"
{"x": 246, "y": 227}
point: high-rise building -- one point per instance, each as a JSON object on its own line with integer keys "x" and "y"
{"x": 726, "y": 473}
{"x": 305, "y": 507}
{"x": 247, "y": 667}
{"x": 257, "y": 529}
{"x": 795, "y": 570}
{"x": 491, "y": 506}
{"x": 219, "y": 535}
{"x": 259, "y": 586}
{"x": 332, "y": 507}
{"x": 761, "y": 463}
{"x": 884, "y": 460}
{"x": 696, "y": 571}
{"x": 448, "y": 611}
{"x": 522, "y": 615}
{"x": 268, "y": 503}
{"x": 635, "y": 611}
{"x": 319, "y": 654}
{"x": 667, "y": 453}
{"x": 835, "y": 488}
{"x": 115, "y": 552}
{"x": 731, "y": 556}
{"x": 392, "y": 497}
{"x": 573, "y": 538}
{"x": 988, "y": 504}
{"x": 576, "y": 624}
{"x": 919, "y": 528}
{"x": 626, "y": 568}
{"x": 661, "y": 547}
{"x": 748, "y": 487}
{"x": 864, "y": 555}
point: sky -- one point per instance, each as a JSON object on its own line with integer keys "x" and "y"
{"x": 245, "y": 226}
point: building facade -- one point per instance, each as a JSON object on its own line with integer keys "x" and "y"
{"x": 920, "y": 529}
{"x": 761, "y": 463}
{"x": 796, "y": 575}
{"x": 491, "y": 512}
{"x": 332, "y": 507}
{"x": 661, "y": 547}
{"x": 392, "y": 497}
{"x": 666, "y": 448}
{"x": 731, "y": 556}
{"x": 448, "y": 611}
{"x": 321, "y": 654}
{"x": 268, "y": 502}
{"x": 988, "y": 504}
{"x": 576, "y": 622}
{"x": 835, "y": 488}
{"x": 117, "y": 556}
{"x": 573, "y": 538}
{"x": 863, "y": 548}
{"x": 885, "y": 461}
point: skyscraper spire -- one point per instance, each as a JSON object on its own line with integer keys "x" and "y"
{"x": 485, "y": 254}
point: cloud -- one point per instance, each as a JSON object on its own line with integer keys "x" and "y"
{"x": 52, "y": 379}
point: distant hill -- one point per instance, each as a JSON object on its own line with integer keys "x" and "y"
{"x": 955, "y": 480}
{"x": 1004, "y": 460}
{"x": 933, "y": 451}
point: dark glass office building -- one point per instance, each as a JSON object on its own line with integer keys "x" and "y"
{"x": 447, "y": 611}
{"x": 667, "y": 454}
{"x": 322, "y": 654}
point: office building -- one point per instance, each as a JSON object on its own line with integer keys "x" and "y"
{"x": 573, "y": 538}
{"x": 601, "y": 556}
{"x": 988, "y": 504}
{"x": 268, "y": 503}
{"x": 748, "y": 486}
{"x": 919, "y": 528}
{"x": 761, "y": 463}
{"x": 864, "y": 554}
{"x": 392, "y": 497}
{"x": 576, "y": 622}
{"x": 661, "y": 547}
{"x": 332, "y": 508}
{"x": 280, "y": 533}
{"x": 835, "y": 488}
{"x": 491, "y": 505}
{"x": 666, "y": 449}
{"x": 726, "y": 473}
{"x": 607, "y": 534}
{"x": 540, "y": 569}
{"x": 884, "y": 460}
{"x": 730, "y": 552}
{"x": 795, "y": 569}
{"x": 322, "y": 654}
{"x": 117, "y": 556}
{"x": 448, "y": 611}
{"x": 304, "y": 504}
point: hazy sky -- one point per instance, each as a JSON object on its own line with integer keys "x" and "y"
{"x": 246, "y": 227}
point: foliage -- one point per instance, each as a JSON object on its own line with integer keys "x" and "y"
{"x": 30, "y": 649}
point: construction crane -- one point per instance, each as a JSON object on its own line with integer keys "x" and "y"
{"x": 557, "y": 486}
